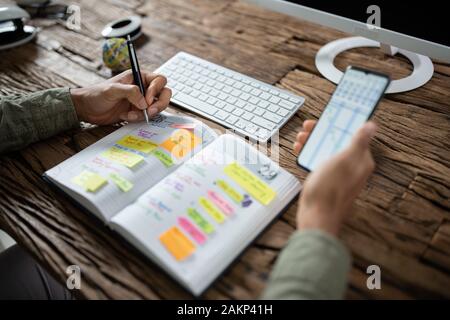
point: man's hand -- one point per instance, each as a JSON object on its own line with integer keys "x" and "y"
{"x": 329, "y": 191}
{"x": 118, "y": 99}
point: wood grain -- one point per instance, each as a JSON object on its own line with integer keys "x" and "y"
{"x": 400, "y": 221}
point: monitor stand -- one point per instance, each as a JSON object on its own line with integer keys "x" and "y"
{"x": 422, "y": 73}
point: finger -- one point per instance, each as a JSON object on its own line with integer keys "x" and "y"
{"x": 130, "y": 92}
{"x": 161, "y": 103}
{"x": 155, "y": 87}
{"x": 132, "y": 116}
{"x": 361, "y": 140}
{"x": 308, "y": 125}
{"x": 297, "y": 147}
{"x": 302, "y": 137}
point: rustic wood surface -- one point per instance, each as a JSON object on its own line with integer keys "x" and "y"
{"x": 401, "y": 221}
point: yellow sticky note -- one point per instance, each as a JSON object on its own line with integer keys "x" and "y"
{"x": 121, "y": 182}
{"x": 89, "y": 180}
{"x": 181, "y": 142}
{"x": 211, "y": 209}
{"x": 126, "y": 158}
{"x": 177, "y": 243}
{"x": 136, "y": 143}
{"x": 230, "y": 191}
{"x": 257, "y": 188}
{"x": 163, "y": 157}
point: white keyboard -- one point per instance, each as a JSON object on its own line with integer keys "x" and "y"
{"x": 248, "y": 106}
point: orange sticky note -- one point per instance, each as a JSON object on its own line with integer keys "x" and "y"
{"x": 177, "y": 243}
{"x": 181, "y": 142}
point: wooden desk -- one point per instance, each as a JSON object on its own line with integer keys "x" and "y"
{"x": 401, "y": 221}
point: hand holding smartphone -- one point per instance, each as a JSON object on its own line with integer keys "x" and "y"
{"x": 351, "y": 105}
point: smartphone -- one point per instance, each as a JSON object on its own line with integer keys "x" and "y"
{"x": 351, "y": 105}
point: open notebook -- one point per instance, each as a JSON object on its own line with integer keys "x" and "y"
{"x": 190, "y": 200}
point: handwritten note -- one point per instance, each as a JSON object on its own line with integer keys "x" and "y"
{"x": 191, "y": 230}
{"x": 126, "y": 158}
{"x": 257, "y": 188}
{"x": 211, "y": 209}
{"x": 121, "y": 182}
{"x": 90, "y": 181}
{"x": 177, "y": 243}
{"x": 200, "y": 221}
{"x": 230, "y": 191}
{"x": 136, "y": 143}
{"x": 181, "y": 142}
{"x": 220, "y": 202}
{"x": 163, "y": 157}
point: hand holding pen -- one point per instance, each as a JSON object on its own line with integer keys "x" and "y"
{"x": 156, "y": 85}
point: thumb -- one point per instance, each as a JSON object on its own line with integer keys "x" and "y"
{"x": 362, "y": 138}
{"x": 130, "y": 92}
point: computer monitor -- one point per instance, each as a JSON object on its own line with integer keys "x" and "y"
{"x": 417, "y": 31}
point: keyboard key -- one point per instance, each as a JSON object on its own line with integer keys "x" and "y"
{"x": 274, "y": 99}
{"x": 195, "y": 103}
{"x": 236, "y": 93}
{"x": 263, "y": 104}
{"x": 258, "y": 111}
{"x": 264, "y": 123}
{"x": 222, "y": 96}
{"x": 286, "y": 104}
{"x": 219, "y": 86}
{"x": 254, "y": 100}
{"x": 247, "y": 88}
{"x": 295, "y": 100}
{"x": 251, "y": 128}
{"x": 231, "y": 100}
{"x": 228, "y": 107}
{"x": 232, "y": 119}
{"x": 249, "y": 107}
{"x": 247, "y": 116}
{"x": 283, "y": 112}
{"x": 238, "y": 85}
{"x": 203, "y": 97}
{"x": 211, "y": 100}
{"x": 256, "y": 92}
{"x": 265, "y": 96}
{"x": 273, "y": 108}
{"x": 220, "y": 104}
{"x": 238, "y": 112}
{"x": 245, "y": 96}
{"x": 240, "y": 104}
{"x": 222, "y": 115}
{"x": 272, "y": 117}
{"x": 241, "y": 124}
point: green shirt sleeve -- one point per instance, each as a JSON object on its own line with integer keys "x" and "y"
{"x": 313, "y": 265}
{"x": 28, "y": 118}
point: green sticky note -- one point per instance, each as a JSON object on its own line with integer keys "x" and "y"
{"x": 121, "y": 182}
{"x": 200, "y": 221}
{"x": 163, "y": 157}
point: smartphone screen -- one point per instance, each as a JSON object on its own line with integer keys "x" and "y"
{"x": 350, "y": 106}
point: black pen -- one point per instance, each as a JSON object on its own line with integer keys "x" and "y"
{"x": 136, "y": 71}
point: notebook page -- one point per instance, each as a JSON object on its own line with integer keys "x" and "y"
{"x": 117, "y": 169}
{"x": 195, "y": 221}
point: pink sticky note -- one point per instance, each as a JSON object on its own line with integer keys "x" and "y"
{"x": 192, "y": 230}
{"x": 220, "y": 202}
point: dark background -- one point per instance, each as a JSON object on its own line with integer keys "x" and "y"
{"x": 429, "y": 20}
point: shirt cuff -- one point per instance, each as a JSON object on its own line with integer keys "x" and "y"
{"x": 313, "y": 265}
{"x": 56, "y": 114}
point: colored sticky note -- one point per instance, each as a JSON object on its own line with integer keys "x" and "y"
{"x": 177, "y": 243}
{"x": 211, "y": 209}
{"x": 230, "y": 191}
{"x": 163, "y": 157}
{"x": 181, "y": 142}
{"x": 89, "y": 180}
{"x": 191, "y": 230}
{"x": 126, "y": 158}
{"x": 121, "y": 182}
{"x": 136, "y": 143}
{"x": 200, "y": 221}
{"x": 257, "y": 188}
{"x": 220, "y": 202}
